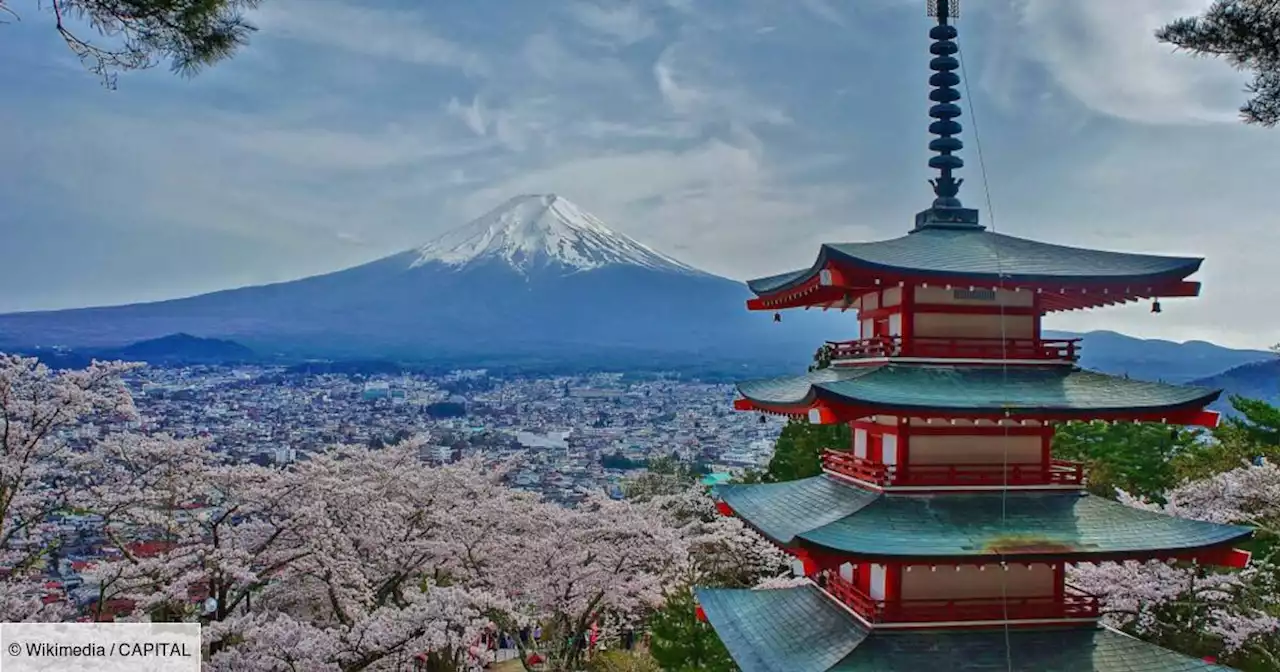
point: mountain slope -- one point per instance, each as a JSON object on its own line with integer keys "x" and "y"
{"x": 531, "y": 231}
{"x": 1258, "y": 380}
{"x": 1155, "y": 359}
{"x": 534, "y": 277}
{"x": 182, "y": 348}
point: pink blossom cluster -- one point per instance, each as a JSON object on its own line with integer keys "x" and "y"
{"x": 1237, "y": 607}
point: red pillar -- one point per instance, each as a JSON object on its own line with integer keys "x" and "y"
{"x": 904, "y": 448}
{"x": 1046, "y": 450}
{"x": 1060, "y": 584}
{"x": 908, "y": 318}
{"x": 1036, "y": 313}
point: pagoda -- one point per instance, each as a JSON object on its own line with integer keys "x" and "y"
{"x": 940, "y": 539}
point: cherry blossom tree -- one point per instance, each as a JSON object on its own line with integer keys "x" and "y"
{"x": 374, "y": 570}
{"x": 39, "y": 409}
{"x": 724, "y": 552}
{"x": 1201, "y": 610}
{"x": 600, "y": 566}
{"x": 196, "y": 536}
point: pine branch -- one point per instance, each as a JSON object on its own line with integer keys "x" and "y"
{"x": 1246, "y": 33}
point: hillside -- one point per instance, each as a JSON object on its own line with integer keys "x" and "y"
{"x": 1155, "y": 359}
{"x": 1258, "y": 380}
{"x": 182, "y": 348}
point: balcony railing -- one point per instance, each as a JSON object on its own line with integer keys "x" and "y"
{"x": 1058, "y": 472}
{"x": 1057, "y": 349}
{"x": 1074, "y": 604}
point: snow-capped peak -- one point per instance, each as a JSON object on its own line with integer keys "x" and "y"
{"x": 537, "y": 230}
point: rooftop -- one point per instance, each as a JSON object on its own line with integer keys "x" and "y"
{"x": 803, "y": 630}
{"x": 979, "y": 256}
{"x": 825, "y": 512}
{"x": 966, "y": 389}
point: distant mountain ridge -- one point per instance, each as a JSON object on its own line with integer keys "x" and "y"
{"x": 174, "y": 349}
{"x": 183, "y": 348}
{"x": 1156, "y": 359}
{"x": 1256, "y": 380}
{"x": 537, "y": 277}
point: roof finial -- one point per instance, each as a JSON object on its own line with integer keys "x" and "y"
{"x": 946, "y": 211}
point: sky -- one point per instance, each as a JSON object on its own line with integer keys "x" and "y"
{"x": 735, "y": 135}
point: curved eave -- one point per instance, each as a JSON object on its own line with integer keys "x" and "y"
{"x": 831, "y": 396}
{"x": 785, "y": 630}
{"x": 837, "y": 275}
{"x": 802, "y": 629}
{"x": 1206, "y": 553}
{"x": 834, "y": 521}
{"x": 823, "y": 412}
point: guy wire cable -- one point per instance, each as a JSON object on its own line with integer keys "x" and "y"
{"x": 1004, "y": 352}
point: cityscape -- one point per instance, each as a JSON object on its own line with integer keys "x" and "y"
{"x": 558, "y": 428}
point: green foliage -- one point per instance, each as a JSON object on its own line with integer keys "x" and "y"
{"x": 798, "y": 453}
{"x": 822, "y": 358}
{"x": 679, "y": 642}
{"x": 623, "y": 661}
{"x": 1259, "y": 421}
{"x": 1237, "y": 441}
{"x": 752, "y": 476}
{"x": 616, "y": 460}
{"x": 673, "y": 466}
{"x": 664, "y": 476}
{"x": 138, "y": 34}
{"x": 1134, "y": 457}
{"x": 1243, "y": 32}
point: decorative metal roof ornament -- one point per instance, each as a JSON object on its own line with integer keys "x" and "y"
{"x": 947, "y": 211}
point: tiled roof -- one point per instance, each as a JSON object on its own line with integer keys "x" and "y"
{"x": 981, "y": 255}
{"x": 783, "y": 511}
{"x": 975, "y": 388}
{"x": 791, "y": 630}
{"x": 844, "y": 518}
{"x": 802, "y": 630}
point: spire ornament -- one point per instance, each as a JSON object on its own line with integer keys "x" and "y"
{"x": 947, "y": 211}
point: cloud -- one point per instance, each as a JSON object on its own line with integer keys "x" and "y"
{"x": 695, "y": 85}
{"x": 1104, "y": 53}
{"x": 472, "y": 115}
{"x": 621, "y": 22}
{"x": 824, "y": 10}
{"x": 390, "y": 34}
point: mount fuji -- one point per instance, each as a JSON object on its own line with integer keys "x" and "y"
{"x": 537, "y": 278}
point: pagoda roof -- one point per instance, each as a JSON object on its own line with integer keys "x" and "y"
{"x": 803, "y": 630}
{"x": 1028, "y": 391}
{"x": 975, "y": 255}
{"x": 832, "y": 515}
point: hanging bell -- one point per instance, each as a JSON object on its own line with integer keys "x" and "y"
{"x": 777, "y": 317}
{"x": 1155, "y": 306}
{"x": 763, "y": 419}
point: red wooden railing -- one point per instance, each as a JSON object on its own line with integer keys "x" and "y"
{"x": 880, "y": 346}
{"x": 1074, "y": 604}
{"x": 1059, "y": 472}
{"x": 1067, "y": 349}
{"x": 846, "y": 463}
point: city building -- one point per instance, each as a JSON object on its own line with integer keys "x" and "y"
{"x": 940, "y": 539}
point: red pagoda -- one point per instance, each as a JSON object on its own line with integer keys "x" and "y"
{"x": 939, "y": 540}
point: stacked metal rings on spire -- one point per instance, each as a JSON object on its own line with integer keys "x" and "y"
{"x": 944, "y": 112}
